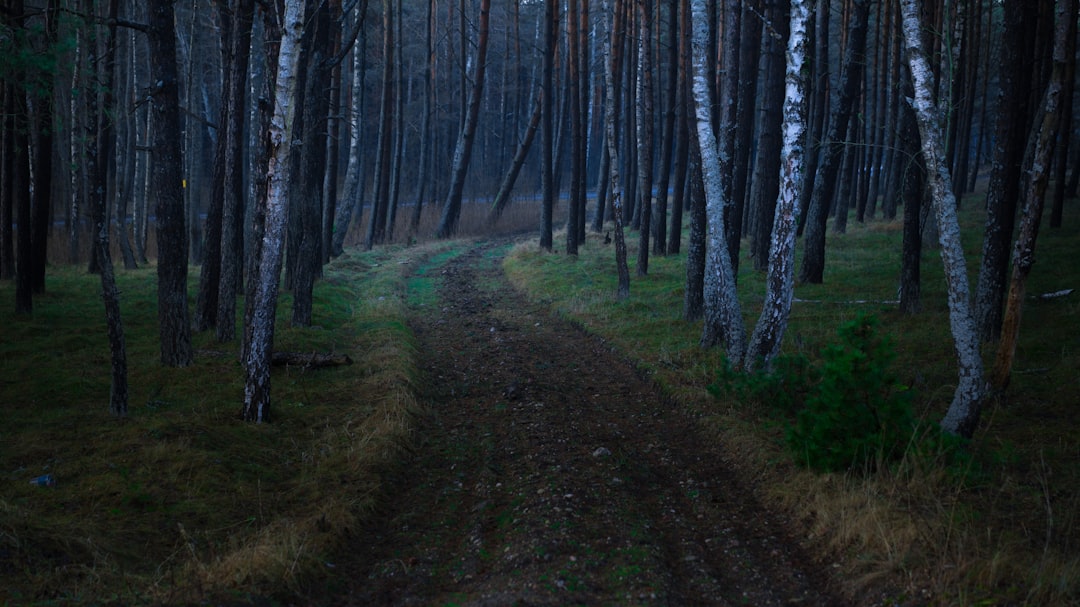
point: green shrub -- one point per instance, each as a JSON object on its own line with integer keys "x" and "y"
{"x": 783, "y": 388}
{"x": 858, "y": 414}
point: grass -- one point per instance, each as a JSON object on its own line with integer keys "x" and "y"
{"x": 181, "y": 501}
{"x": 1002, "y": 530}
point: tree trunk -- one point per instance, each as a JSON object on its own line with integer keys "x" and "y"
{"x": 352, "y": 203}
{"x": 1005, "y": 177}
{"x": 1065, "y": 133}
{"x": 262, "y": 306}
{"x": 99, "y": 152}
{"x": 780, "y": 281}
{"x": 644, "y": 110}
{"x": 667, "y": 147}
{"x": 614, "y": 69}
{"x": 381, "y": 199}
{"x": 1035, "y": 183}
{"x": 426, "y": 134}
{"x": 913, "y": 193}
{"x": 963, "y": 414}
{"x": 232, "y": 218}
{"x": 314, "y": 103}
{"x": 41, "y": 204}
{"x": 766, "y": 181}
{"x": 577, "y": 159}
{"x": 502, "y": 198}
{"x": 682, "y": 151}
{"x": 173, "y": 319}
{"x": 723, "y": 315}
{"x": 547, "y": 124}
{"x": 694, "y": 297}
{"x": 463, "y": 151}
{"x": 851, "y": 75}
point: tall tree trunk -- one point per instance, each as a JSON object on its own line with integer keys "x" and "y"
{"x": 381, "y": 200}
{"x": 314, "y": 104}
{"x": 667, "y": 137}
{"x": 353, "y": 202}
{"x": 1065, "y": 133}
{"x": 723, "y": 315}
{"x": 851, "y": 75}
{"x": 1005, "y": 175}
{"x": 616, "y": 33}
{"x": 232, "y": 217}
{"x": 1035, "y": 191}
{"x": 913, "y": 194}
{"x": 173, "y": 319}
{"x": 99, "y": 152}
{"x": 41, "y": 204}
{"x": 426, "y": 134}
{"x": 262, "y": 305}
{"x": 463, "y": 151}
{"x": 766, "y": 183}
{"x": 963, "y": 414}
{"x": 729, "y": 121}
{"x": 502, "y": 198}
{"x": 644, "y": 107}
{"x": 577, "y": 170}
{"x": 682, "y": 150}
{"x": 780, "y": 280}
{"x": 547, "y": 124}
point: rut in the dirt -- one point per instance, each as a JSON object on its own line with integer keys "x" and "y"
{"x": 551, "y": 473}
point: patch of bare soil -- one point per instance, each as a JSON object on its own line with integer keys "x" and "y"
{"x": 551, "y": 473}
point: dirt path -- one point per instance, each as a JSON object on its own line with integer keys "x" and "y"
{"x": 550, "y": 473}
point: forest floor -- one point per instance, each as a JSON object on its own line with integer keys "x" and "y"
{"x": 549, "y": 472}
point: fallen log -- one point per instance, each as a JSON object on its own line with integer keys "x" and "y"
{"x": 309, "y": 360}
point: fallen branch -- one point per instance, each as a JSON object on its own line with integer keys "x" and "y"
{"x": 312, "y": 360}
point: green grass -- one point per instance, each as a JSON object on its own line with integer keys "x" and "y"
{"x": 1005, "y": 531}
{"x": 181, "y": 501}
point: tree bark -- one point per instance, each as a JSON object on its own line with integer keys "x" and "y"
{"x": 1005, "y": 175}
{"x": 262, "y": 306}
{"x": 963, "y": 414}
{"x": 851, "y": 76}
{"x": 547, "y": 124}
{"x": 614, "y": 68}
{"x": 644, "y": 108}
{"x": 463, "y": 151}
{"x": 502, "y": 198}
{"x": 173, "y": 318}
{"x": 780, "y": 280}
{"x": 1035, "y": 184}
{"x": 232, "y": 218}
{"x": 723, "y": 315}
{"x": 353, "y": 201}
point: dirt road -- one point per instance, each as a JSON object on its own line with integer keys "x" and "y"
{"x": 551, "y": 473}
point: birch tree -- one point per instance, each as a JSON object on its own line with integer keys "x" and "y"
{"x": 262, "y": 306}
{"x": 614, "y": 68}
{"x": 963, "y": 413}
{"x": 723, "y": 315}
{"x": 780, "y": 280}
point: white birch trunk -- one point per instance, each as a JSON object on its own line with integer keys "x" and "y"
{"x": 780, "y": 281}
{"x": 259, "y": 350}
{"x": 963, "y": 413}
{"x": 723, "y": 316}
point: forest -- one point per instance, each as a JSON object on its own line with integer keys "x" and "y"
{"x": 244, "y": 157}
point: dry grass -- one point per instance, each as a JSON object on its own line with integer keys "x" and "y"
{"x": 181, "y": 501}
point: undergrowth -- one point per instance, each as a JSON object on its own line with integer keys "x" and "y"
{"x": 181, "y": 501}
{"x": 907, "y": 514}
